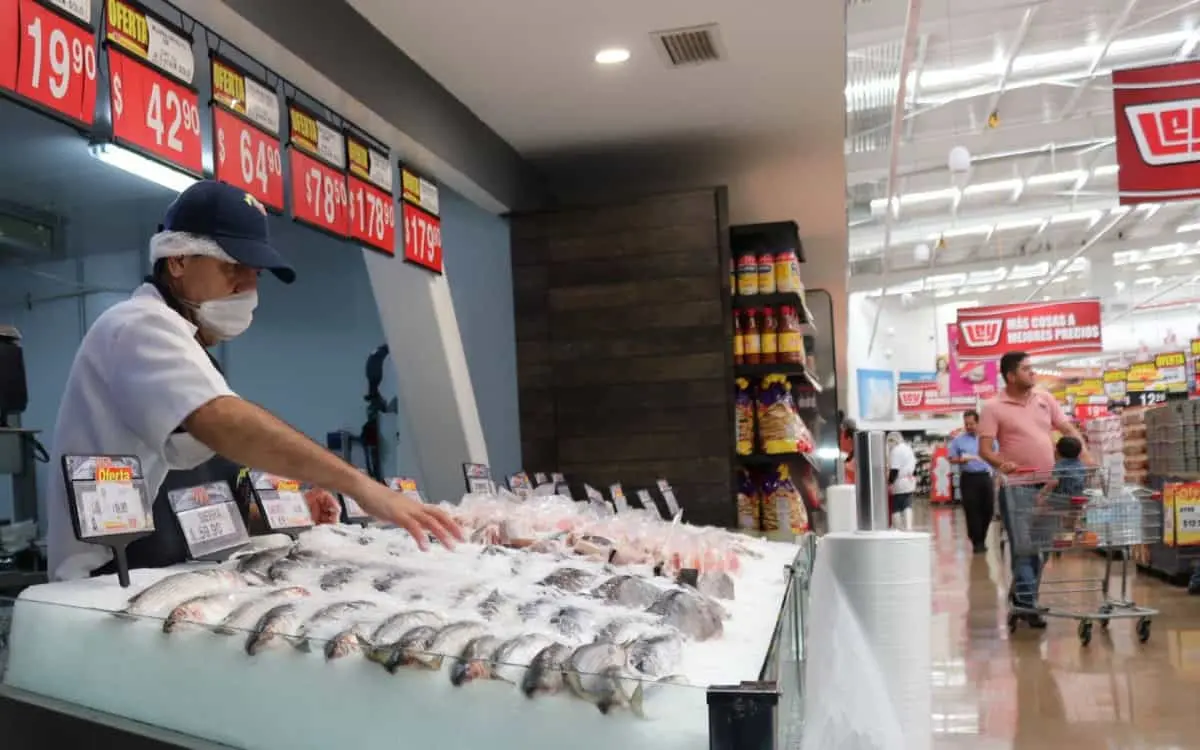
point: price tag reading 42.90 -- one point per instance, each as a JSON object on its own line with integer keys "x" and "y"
{"x": 57, "y": 61}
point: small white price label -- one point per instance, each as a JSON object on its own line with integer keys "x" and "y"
{"x": 287, "y": 509}
{"x": 205, "y": 525}
{"x": 353, "y": 509}
{"x": 668, "y": 494}
{"x": 644, "y": 498}
{"x": 112, "y": 508}
{"x": 619, "y": 499}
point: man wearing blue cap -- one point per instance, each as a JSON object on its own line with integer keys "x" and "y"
{"x": 143, "y": 384}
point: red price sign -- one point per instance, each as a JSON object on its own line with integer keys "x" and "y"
{"x": 248, "y": 158}
{"x": 57, "y": 67}
{"x": 422, "y": 238}
{"x": 372, "y": 216}
{"x": 154, "y": 114}
{"x": 10, "y": 33}
{"x": 318, "y": 193}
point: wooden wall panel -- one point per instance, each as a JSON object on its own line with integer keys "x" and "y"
{"x": 623, "y": 353}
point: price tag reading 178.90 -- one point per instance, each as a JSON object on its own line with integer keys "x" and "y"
{"x": 372, "y": 208}
{"x": 57, "y": 67}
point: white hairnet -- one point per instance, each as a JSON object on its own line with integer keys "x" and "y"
{"x": 182, "y": 244}
{"x": 894, "y": 437}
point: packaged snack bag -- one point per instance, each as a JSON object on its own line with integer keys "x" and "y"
{"x": 743, "y": 405}
{"x": 748, "y": 503}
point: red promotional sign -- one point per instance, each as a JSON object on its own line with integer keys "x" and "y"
{"x": 318, "y": 193}
{"x": 925, "y": 398}
{"x": 10, "y": 33}
{"x": 372, "y": 207}
{"x": 1157, "y": 122}
{"x": 57, "y": 61}
{"x": 154, "y": 114}
{"x": 422, "y": 238}
{"x": 246, "y": 128}
{"x": 1061, "y": 327}
{"x": 1195, "y": 368}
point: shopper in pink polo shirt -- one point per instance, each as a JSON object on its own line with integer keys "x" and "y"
{"x": 1021, "y": 419}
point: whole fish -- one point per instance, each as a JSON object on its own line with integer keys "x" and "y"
{"x": 626, "y": 629}
{"x": 536, "y": 608}
{"x": 247, "y": 614}
{"x": 717, "y": 584}
{"x": 495, "y": 603}
{"x": 545, "y": 673}
{"x": 406, "y": 650}
{"x": 280, "y": 621}
{"x": 180, "y": 587}
{"x": 628, "y": 591}
{"x": 209, "y": 609}
{"x": 348, "y": 641}
{"x": 337, "y": 578}
{"x": 328, "y": 616}
{"x": 258, "y": 564}
{"x": 598, "y": 673}
{"x": 691, "y": 612}
{"x": 657, "y": 655}
{"x": 385, "y": 582}
{"x": 390, "y": 630}
{"x": 285, "y": 569}
{"x": 513, "y": 657}
{"x": 571, "y": 580}
{"x": 573, "y": 622}
{"x": 448, "y": 641}
{"x": 473, "y": 662}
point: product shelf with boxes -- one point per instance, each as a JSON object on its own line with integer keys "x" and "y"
{"x": 1172, "y": 463}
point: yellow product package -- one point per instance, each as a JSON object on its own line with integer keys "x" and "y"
{"x": 743, "y": 406}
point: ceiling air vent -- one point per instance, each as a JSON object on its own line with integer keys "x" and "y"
{"x": 691, "y": 46}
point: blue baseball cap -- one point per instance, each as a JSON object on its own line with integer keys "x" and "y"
{"x": 234, "y": 219}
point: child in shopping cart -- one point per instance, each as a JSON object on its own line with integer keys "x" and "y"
{"x": 1069, "y": 478}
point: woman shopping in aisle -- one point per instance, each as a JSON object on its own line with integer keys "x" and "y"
{"x": 902, "y": 480}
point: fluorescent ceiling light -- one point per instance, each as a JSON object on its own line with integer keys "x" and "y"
{"x": 1054, "y": 178}
{"x": 963, "y": 231}
{"x": 1018, "y": 224}
{"x": 1079, "y": 265}
{"x": 943, "y": 293}
{"x": 1148, "y": 281}
{"x": 1089, "y": 216}
{"x": 148, "y": 169}
{"x": 612, "y": 56}
{"x": 1188, "y": 228}
{"x": 945, "y": 280}
{"x": 983, "y": 289}
{"x": 1125, "y": 257}
{"x": 1163, "y": 252}
{"x": 1033, "y": 271}
{"x": 987, "y": 277}
{"x": 1145, "y": 267}
{"x": 1106, "y": 170}
{"x": 999, "y": 186}
{"x": 909, "y": 288}
{"x": 1020, "y": 284}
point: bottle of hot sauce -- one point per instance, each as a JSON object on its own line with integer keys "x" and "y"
{"x": 752, "y": 338}
{"x": 791, "y": 337}
{"x": 770, "y": 339}
{"x": 739, "y": 339}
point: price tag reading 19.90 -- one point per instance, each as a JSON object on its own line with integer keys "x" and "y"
{"x": 57, "y": 61}
{"x": 318, "y": 160}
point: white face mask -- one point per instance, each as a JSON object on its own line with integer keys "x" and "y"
{"x": 227, "y": 317}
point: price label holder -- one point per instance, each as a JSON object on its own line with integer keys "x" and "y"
{"x": 210, "y": 520}
{"x": 420, "y": 215}
{"x": 246, "y": 129}
{"x": 280, "y": 502}
{"x": 48, "y": 57}
{"x": 668, "y": 496}
{"x": 646, "y": 500}
{"x": 617, "y": 493}
{"x": 479, "y": 479}
{"x": 372, "y": 209}
{"x": 109, "y": 503}
{"x": 352, "y": 512}
{"x": 596, "y": 500}
{"x": 406, "y": 485}
{"x": 317, "y": 157}
{"x": 540, "y": 478}
{"x": 155, "y": 106}
{"x": 520, "y": 485}
{"x": 563, "y": 489}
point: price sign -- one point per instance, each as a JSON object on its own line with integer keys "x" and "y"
{"x": 372, "y": 207}
{"x": 281, "y": 501}
{"x": 617, "y": 493}
{"x": 422, "y": 227}
{"x": 209, "y": 518}
{"x": 646, "y": 500}
{"x": 109, "y": 496}
{"x": 407, "y": 486}
{"x": 596, "y": 500}
{"x": 318, "y": 162}
{"x": 56, "y": 68}
{"x": 246, "y": 129}
{"x": 352, "y": 512}
{"x": 1181, "y": 512}
{"x": 479, "y": 479}
{"x": 668, "y": 495}
{"x": 540, "y": 478}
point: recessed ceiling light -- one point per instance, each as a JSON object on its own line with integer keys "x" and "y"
{"x": 612, "y": 56}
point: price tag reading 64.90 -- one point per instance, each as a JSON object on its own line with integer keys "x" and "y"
{"x": 249, "y": 159}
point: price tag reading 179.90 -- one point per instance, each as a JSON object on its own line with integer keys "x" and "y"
{"x": 57, "y": 67}
{"x": 154, "y": 113}
{"x": 422, "y": 238}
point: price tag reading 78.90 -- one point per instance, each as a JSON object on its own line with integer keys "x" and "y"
{"x": 422, "y": 238}
{"x": 318, "y": 193}
{"x": 57, "y": 67}
{"x": 154, "y": 113}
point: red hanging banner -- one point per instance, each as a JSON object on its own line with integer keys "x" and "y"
{"x": 422, "y": 225}
{"x": 1156, "y": 113}
{"x": 246, "y": 130}
{"x": 317, "y": 156}
{"x": 1059, "y": 327}
{"x": 10, "y": 48}
{"x": 56, "y": 64}
{"x": 372, "y": 205}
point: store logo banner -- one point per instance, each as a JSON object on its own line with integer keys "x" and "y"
{"x": 976, "y": 378}
{"x": 926, "y": 398}
{"x": 1036, "y": 328}
{"x": 1157, "y": 123}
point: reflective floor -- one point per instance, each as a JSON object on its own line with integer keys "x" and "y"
{"x": 1037, "y": 690}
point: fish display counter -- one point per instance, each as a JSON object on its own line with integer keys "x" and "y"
{"x": 551, "y": 625}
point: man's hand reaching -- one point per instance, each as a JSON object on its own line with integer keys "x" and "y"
{"x": 418, "y": 519}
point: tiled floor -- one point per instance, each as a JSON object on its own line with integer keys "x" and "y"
{"x": 1044, "y": 690}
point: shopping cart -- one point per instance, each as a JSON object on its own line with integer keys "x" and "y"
{"x": 1070, "y": 511}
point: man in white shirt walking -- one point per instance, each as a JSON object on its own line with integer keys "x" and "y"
{"x": 902, "y": 478}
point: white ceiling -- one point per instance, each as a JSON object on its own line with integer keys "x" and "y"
{"x": 1043, "y": 180}
{"x": 527, "y": 70}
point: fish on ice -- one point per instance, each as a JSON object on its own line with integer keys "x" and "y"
{"x": 209, "y": 609}
{"x": 247, "y": 614}
{"x": 599, "y": 673}
{"x": 279, "y": 622}
{"x": 474, "y": 661}
{"x": 691, "y": 612}
{"x": 171, "y": 591}
{"x": 329, "y": 616}
{"x": 545, "y": 673}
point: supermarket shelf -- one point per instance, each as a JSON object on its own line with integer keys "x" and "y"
{"x": 775, "y": 300}
{"x": 792, "y": 371}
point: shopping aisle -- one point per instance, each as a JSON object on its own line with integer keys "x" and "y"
{"x": 1043, "y": 690}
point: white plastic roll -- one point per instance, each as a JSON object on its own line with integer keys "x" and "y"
{"x": 841, "y": 508}
{"x": 882, "y": 581}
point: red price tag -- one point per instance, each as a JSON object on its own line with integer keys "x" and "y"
{"x": 154, "y": 113}
{"x": 10, "y": 33}
{"x": 318, "y": 193}
{"x": 372, "y": 216}
{"x": 248, "y": 158}
{"x": 57, "y": 66}
{"x": 422, "y": 238}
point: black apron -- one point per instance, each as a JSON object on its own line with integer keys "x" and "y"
{"x": 167, "y": 545}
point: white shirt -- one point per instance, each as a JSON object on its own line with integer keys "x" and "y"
{"x": 904, "y": 461}
{"x": 138, "y": 374}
